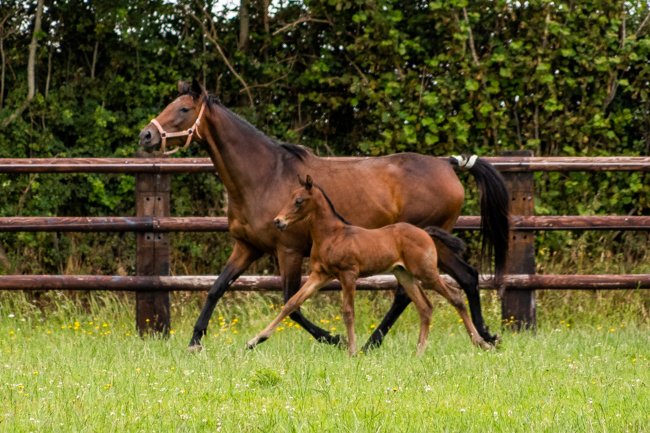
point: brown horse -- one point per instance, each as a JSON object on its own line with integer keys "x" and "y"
{"x": 259, "y": 173}
{"x": 346, "y": 252}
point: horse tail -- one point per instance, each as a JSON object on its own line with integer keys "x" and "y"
{"x": 494, "y": 203}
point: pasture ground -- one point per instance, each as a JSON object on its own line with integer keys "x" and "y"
{"x": 75, "y": 364}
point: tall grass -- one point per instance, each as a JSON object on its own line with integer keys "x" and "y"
{"x": 72, "y": 366}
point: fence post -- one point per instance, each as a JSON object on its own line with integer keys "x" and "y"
{"x": 518, "y": 308}
{"x": 152, "y": 252}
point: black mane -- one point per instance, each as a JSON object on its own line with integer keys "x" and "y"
{"x": 295, "y": 150}
{"x": 338, "y": 215}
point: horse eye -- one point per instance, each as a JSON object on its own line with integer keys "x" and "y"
{"x": 299, "y": 201}
{"x": 185, "y": 110}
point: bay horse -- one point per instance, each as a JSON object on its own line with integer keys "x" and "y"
{"x": 346, "y": 252}
{"x": 259, "y": 174}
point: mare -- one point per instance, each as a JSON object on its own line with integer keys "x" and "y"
{"x": 346, "y": 252}
{"x": 259, "y": 174}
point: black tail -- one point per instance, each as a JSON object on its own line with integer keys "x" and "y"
{"x": 455, "y": 244}
{"x": 495, "y": 220}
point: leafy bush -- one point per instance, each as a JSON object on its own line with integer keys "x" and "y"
{"x": 343, "y": 77}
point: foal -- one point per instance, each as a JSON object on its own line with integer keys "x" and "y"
{"x": 347, "y": 252}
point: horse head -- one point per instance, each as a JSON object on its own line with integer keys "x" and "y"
{"x": 179, "y": 121}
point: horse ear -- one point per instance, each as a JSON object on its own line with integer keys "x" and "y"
{"x": 197, "y": 88}
{"x": 183, "y": 88}
{"x": 308, "y": 183}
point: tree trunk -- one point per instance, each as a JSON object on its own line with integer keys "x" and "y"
{"x": 244, "y": 25}
{"x": 94, "y": 64}
{"x": 2, "y": 73}
{"x": 265, "y": 16}
{"x": 31, "y": 68}
{"x": 31, "y": 62}
{"x": 49, "y": 73}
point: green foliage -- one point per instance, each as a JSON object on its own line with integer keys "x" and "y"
{"x": 343, "y": 77}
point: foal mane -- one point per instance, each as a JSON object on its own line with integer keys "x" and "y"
{"x": 338, "y": 215}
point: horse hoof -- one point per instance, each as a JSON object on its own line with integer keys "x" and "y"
{"x": 485, "y": 345}
{"x": 490, "y": 338}
{"x": 255, "y": 341}
{"x": 371, "y": 345}
{"x": 334, "y": 340}
{"x": 194, "y": 348}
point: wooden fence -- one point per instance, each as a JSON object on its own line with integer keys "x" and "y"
{"x": 153, "y": 224}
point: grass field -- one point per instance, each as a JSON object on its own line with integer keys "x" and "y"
{"x": 76, "y": 366}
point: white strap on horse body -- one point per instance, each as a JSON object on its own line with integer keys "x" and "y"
{"x": 465, "y": 163}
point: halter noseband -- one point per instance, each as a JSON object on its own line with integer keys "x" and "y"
{"x": 164, "y": 134}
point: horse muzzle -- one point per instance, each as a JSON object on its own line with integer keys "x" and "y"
{"x": 149, "y": 137}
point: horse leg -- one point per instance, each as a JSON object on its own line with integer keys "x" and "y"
{"x": 314, "y": 282}
{"x": 452, "y": 263}
{"x": 455, "y": 298}
{"x": 348, "y": 289}
{"x": 240, "y": 259}
{"x": 400, "y": 302}
{"x": 422, "y": 304}
{"x": 291, "y": 270}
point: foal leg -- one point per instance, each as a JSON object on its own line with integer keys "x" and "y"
{"x": 348, "y": 289}
{"x": 312, "y": 285}
{"x": 290, "y": 264}
{"x": 421, "y": 302}
{"x": 241, "y": 257}
{"x": 455, "y": 298}
{"x": 453, "y": 264}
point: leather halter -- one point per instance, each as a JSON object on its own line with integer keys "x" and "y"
{"x": 164, "y": 134}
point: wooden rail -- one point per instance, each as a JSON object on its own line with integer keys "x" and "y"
{"x": 153, "y": 222}
{"x": 274, "y": 283}
{"x": 204, "y": 165}
{"x": 220, "y": 224}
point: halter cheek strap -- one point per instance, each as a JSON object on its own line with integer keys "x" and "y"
{"x": 189, "y": 133}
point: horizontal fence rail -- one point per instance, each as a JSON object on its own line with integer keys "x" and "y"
{"x": 274, "y": 283}
{"x": 204, "y": 165}
{"x": 220, "y": 224}
{"x": 152, "y": 283}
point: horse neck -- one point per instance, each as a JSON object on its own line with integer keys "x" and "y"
{"x": 324, "y": 223}
{"x": 245, "y": 159}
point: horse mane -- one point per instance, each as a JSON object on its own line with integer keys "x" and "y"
{"x": 338, "y": 215}
{"x": 299, "y": 152}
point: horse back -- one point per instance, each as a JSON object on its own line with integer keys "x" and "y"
{"x": 377, "y": 191}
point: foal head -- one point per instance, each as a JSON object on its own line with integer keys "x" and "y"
{"x": 178, "y": 122}
{"x": 301, "y": 205}
{"x": 306, "y": 200}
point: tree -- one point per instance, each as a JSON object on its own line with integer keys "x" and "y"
{"x": 31, "y": 66}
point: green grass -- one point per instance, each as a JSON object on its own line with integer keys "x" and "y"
{"x": 77, "y": 366}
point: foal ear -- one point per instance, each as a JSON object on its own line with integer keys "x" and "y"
{"x": 308, "y": 183}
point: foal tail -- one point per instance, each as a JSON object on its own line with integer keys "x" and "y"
{"x": 494, "y": 202}
{"x": 455, "y": 244}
